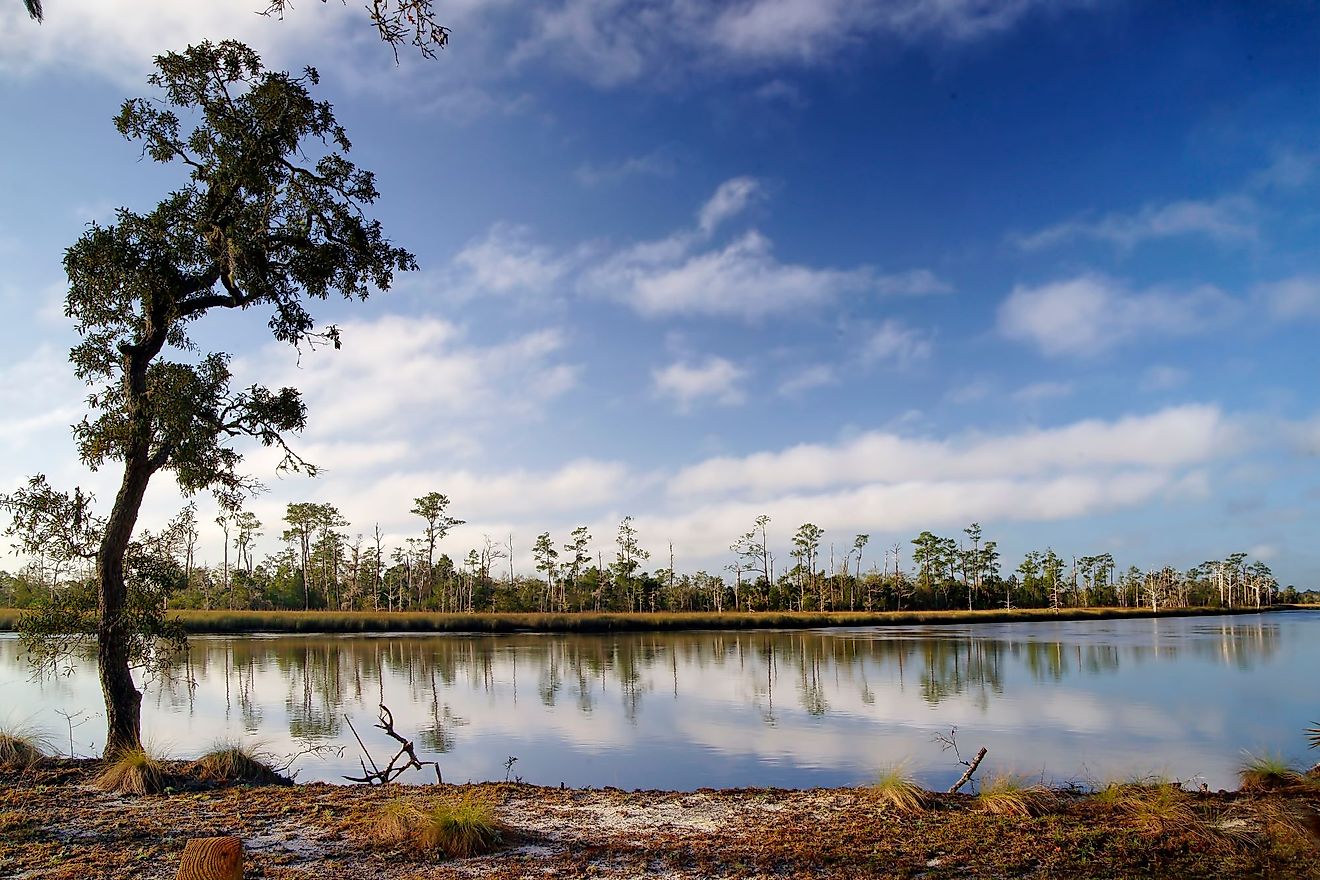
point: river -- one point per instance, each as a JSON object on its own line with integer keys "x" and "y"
{"x": 1082, "y": 702}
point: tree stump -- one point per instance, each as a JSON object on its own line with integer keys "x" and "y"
{"x": 212, "y": 858}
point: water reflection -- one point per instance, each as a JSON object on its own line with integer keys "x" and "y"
{"x": 752, "y": 708}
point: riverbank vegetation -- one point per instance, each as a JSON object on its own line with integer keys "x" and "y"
{"x": 322, "y": 566}
{"x": 54, "y": 825}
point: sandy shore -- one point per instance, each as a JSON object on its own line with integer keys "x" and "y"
{"x": 55, "y": 826}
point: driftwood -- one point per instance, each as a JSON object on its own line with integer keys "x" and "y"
{"x": 394, "y": 769}
{"x": 212, "y": 858}
{"x": 971, "y": 768}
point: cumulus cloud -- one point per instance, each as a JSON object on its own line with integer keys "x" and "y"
{"x": 1091, "y": 313}
{"x": 1291, "y": 298}
{"x": 895, "y": 344}
{"x": 1170, "y": 438}
{"x": 1226, "y": 220}
{"x": 715, "y": 378}
{"x": 684, "y": 274}
{"x": 418, "y": 375}
{"x": 507, "y": 260}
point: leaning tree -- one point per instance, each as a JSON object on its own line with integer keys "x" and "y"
{"x": 270, "y": 217}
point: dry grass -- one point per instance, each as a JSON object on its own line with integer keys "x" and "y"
{"x": 421, "y": 621}
{"x": 466, "y": 828}
{"x": 1268, "y": 772}
{"x": 20, "y": 748}
{"x": 1008, "y": 795}
{"x": 236, "y": 762}
{"x": 895, "y": 788}
{"x": 135, "y": 771}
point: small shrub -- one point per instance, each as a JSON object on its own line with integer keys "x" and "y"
{"x": 896, "y": 788}
{"x": 1009, "y": 796}
{"x": 236, "y": 762}
{"x": 466, "y": 828}
{"x": 133, "y": 772}
{"x": 1267, "y": 773}
{"x": 20, "y": 748}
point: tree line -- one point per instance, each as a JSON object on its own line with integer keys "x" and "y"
{"x": 320, "y": 564}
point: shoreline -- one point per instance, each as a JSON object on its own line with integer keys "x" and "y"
{"x": 220, "y": 622}
{"x": 56, "y": 826}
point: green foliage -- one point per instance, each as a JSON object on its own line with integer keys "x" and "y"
{"x": 53, "y": 631}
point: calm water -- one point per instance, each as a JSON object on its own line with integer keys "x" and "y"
{"x": 1069, "y": 701}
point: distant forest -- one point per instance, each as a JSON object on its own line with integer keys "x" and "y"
{"x": 321, "y": 566}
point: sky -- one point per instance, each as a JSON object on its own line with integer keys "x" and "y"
{"x": 882, "y": 266}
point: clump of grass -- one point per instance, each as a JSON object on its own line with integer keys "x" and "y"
{"x": 20, "y": 748}
{"x": 1009, "y": 795}
{"x": 134, "y": 771}
{"x": 466, "y": 828}
{"x": 1268, "y": 772}
{"x": 1158, "y": 808}
{"x": 237, "y": 762}
{"x": 896, "y": 788}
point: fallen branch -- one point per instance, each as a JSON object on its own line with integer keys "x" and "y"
{"x": 971, "y": 768}
{"x": 393, "y": 769}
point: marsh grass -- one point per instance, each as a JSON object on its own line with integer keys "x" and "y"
{"x": 195, "y": 621}
{"x": 1008, "y": 795}
{"x": 1160, "y": 808}
{"x": 459, "y": 829}
{"x": 21, "y": 747}
{"x": 237, "y": 762}
{"x": 135, "y": 771}
{"x": 895, "y": 788}
{"x": 1268, "y": 772}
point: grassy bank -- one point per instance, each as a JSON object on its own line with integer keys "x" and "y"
{"x": 589, "y": 622}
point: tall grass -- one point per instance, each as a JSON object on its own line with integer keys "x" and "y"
{"x": 135, "y": 771}
{"x": 1009, "y": 795}
{"x": 895, "y": 787}
{"x": 21, "y": 747}
{"x": 1267, "y": 772}
{"x": 237, "y": 762}
{"x": 591, "y": 622}
{"x": 456, "y": 829}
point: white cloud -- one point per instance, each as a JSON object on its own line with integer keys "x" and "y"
{"x": 1171, "y": 438}
{"x": 612, "y": 43}
{"x": 730, "y": 199}
{"x": 506, "y": 260}
{"x": 1091, "y": 314}
{"x": 657, "y": 163}
{"x": 715, "y": 378}
{"x": 1291, "y": 298}
{"x": 417, "y": 376}
{"x": 896, "y": 344}
{"x": 807, "y": 378}
{"x": 917, "y": 282}
{"x": 1225, "y": 220}
{"x": 1038, "y": 392}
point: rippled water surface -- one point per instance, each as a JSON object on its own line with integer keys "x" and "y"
{"x": 1069, "y": 701}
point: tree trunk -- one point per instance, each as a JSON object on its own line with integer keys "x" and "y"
{"x": 123, "y": 701}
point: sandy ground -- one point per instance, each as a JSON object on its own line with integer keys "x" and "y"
{"x": 55, "y": 826}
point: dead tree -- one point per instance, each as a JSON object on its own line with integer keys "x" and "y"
{"x": 394, "y": 769}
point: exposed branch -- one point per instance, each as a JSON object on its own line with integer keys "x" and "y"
{"x": 394, "y": 769}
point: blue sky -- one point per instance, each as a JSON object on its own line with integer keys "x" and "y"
{"x": 882, "y": 266}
